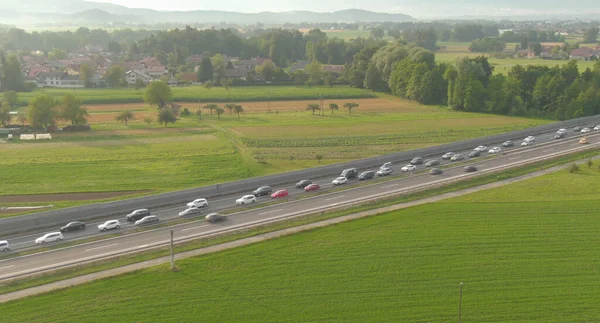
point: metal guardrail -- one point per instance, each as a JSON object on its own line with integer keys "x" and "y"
{"x": 88, "y": 212}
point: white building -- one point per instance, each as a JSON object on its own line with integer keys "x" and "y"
{"x": 59, "y": 79}
{"x": 133, "y": 75}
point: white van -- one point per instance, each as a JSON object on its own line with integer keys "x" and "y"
{"x": 4, "y": 246}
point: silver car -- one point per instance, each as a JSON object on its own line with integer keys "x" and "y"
{"x": 215, "y": 217}
{"x": 190, "y": 211}
{"x": 147, "y": 220}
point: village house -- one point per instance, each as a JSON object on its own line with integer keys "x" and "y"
{"x": 59, "y": 80}
{"x": 584, "y": 54}
{"x": 132, "y": 76}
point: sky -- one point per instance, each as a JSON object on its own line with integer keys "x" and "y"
{"x": 415, "y": 8}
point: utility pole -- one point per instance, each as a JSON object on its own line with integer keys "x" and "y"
{"x": 459, "y": 303}
{"x": 172, "y": 254}
{"x": 269, "y": 100}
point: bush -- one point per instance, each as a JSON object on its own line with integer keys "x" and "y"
{"x": 29, "y": 86}
{"x": 185, "y": 112}
{"x": 574, "y": 168}
{"x": 82, "y": 127}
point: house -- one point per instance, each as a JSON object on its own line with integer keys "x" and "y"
{"x": 584, "y": 54}
{"x": 194, "y": 59}
{"x": 252, "y": 63}
{"x": 156, "y": 71}
{"x": 188, "y": 77}
{"x": 133, "y": 75}
{"x": 300, "y": 65}
{"x": 238, "y": 73}
{"x": 150, "y": 61}
{"x": 335, "y": 69}
{"x": 59, "y": 79}
{"x": 531, "y": 54}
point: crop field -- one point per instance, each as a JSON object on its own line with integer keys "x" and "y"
{"x": 201, "y": 94}
{"x": 526, "y": 252}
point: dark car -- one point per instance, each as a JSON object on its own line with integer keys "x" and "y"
{"x": 73, "y": 226}
{"x": 474, "y": 153}
{"x": 137, "y": 215}
{"x": 417, "y": 161}
{"x": 508, "y": 143}
{"x": 470, "y": 169}
{"x": 349, "y": 173}
{"x": 436, "y": 171}
{"x": 263, "y": 190}
{"x": 215, "y": 217}
{"x": 366, "y": 175}
{"x": 303, "y": 183}
{"x": 432, "y": 162}
{"x": 577, "y": 129}
{"x": 559, "y": 135}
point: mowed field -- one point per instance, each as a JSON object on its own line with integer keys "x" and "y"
{"x": 526, "y": 252}
{"x": 195, "y": 152}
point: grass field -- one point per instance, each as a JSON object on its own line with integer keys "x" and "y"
{"x": 526, "y": 252}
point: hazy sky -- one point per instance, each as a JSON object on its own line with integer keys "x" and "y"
{"x": 416, "y": 8}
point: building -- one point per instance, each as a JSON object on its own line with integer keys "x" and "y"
{"x": 237, "y": 73}
{"x": 59, "y": 80}
{"x": 133, "y": 75}
{"x": 584, "y": 54}
{"x": 156, "y": 71}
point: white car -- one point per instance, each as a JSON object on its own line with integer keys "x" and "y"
{"x": 495, "y": 150}
{"x": 585, "y": 130}
{"x": 147, "y": 220}
{"x": 340, "y": 180}
{"x": 562, "y": 130}
{"x": 49, "y": 237}
{"x": 190, "y": 211}
{"x": 526, "y": 143}
{"x": 597, "y": 127}
{"x": 198, "y": 203}
{"x": 109, "y": 225}
{"x": 246, "y": 199}
{"x": 384, "y": 171}
{"x": 408, "y": 168}
{"x": 386, "y": 165}
{"x": 457, "y": 157}
{"x": 448, "y": 155}
{"x": 481, "y": 149}
{"x": 4, "y": 246}
{"x": 530, "y": 138}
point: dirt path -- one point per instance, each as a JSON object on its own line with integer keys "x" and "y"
{"x": 262, "y": 237}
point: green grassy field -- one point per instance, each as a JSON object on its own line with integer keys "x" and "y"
{"x": 526, "y": 252}
{"x": 201, "y": 94}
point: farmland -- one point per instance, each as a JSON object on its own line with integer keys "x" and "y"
{"x": 525, "y": 252}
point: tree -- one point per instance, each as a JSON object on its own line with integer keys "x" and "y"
{"x": 328, "y": 78}
{"x": 11, "y": 98}
{"x": 22, "y": 117}
{"x": 115, "y": 76}
{"x": 127, "y": 115}
{"x": 5, "y": 115}
{"x": 319, "y": 157}
{"x": 166, "y": 116}
{"x": 148, "y": 121}
{"x": 230, "y": 107}
{"x": 211, "y": 107}
{"x": 225, "y": 83}
{"x": 350, "y": 106}
{"x": 267, "y": 70}
{"x": 70, "y": 109}
{"x": 314, "y": 71}
{"x": 57, "y": 54}
{"x": 219, "y": 112}
{"x": 159, "y": 93}
{"x": 12, "y": 76}
{"x": 238, "y": 109}
{"x": 41, "y": 112}
{"x": 590, "y": 35}
{"x": 299, "y": 77}
{"x": 314, "y": 107}
{"x": 333, "y": 106}
{"x": 86, "y": 73}
{"x": 377, "y": 33}
{"x": 139, "y": 84}
{"x": 219, "y": 66}
{"x": 205, "y": 71}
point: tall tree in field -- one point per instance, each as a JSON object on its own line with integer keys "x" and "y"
{"x": 299, "y": 77}
{"x": 211, "y": 108}
{"x": 70, "y": 109}
{"x": 205, "y": 71}
{"x": 238, "y": 109}
{"x": 208, "y": 85}
{"x": 166, "y": 116}
{"x": 590, "y": 35}
{"x": 475, "y": 96}
{"x": 350, "y": 106}
{"x": 5, "y": 115}
{"x": 10, "y": 98}
{"x": 86, "y": 73}
{"x": 41, "y": 112}
{"x": 313, "y": 107}
{"x": 12, "y": 76}
{"x": 377, "y": 33}
{"x": 125, "y": 116}
{"x": 158, "y": 93}
{"x": 230, "y": 107}
{"x": 333, "y": 106}
{"x": 219, "y": 112}
{"x": 267, "y": 70}
{"x": 115, "y": 76}
{"x": 219, "y": 65}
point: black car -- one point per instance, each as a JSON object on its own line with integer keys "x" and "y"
{"x": 436, "y": 171}
{"x": 559, "y": 135}
{"x": 417, "y": 161}
{"x": 474, "y": 153}
{"x": 577, "y": 129}
{"x": 73, "y": 226}
{"x": 470, "y": 169}
{"x": 432, "y": 162}
{"x": 349, "y": 173}
{"x": 366, "y": 175}
{"x": 303, "y": 183}
{"x": 137, "y": 215}
{"x": 508, "y": 143}
{"x": 263, "y": 190}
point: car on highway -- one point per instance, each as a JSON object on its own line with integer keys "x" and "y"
{"x": 448, "y": 155}
{"x": 246, "y": 199}
{"x": 312, "y": 187}
{"x": 481, "y": 149}
{"x": 495, "y": 150}
{"x": 340, "y": 180}
{"x": 417, "y": 161}
{"x": 73, "y": 226}
{"x": 280, "y": 193}
{"x": 592, "y": 126}
{"x": 470, "y": 169}
{"x": 384, "y": 172}
{"x": 432, "y": 162}
{"x": 215, "y": 217}
{"x": 198, "y": 203}
{"x": 366, "y": 175}
{"x": 109, "y": 225}
{"x": 577, "y": 129}
{"x": 49, "y": 237}
{"x": 585, "y": 130}
{"x": 436, "y": 171}
{"x": 349, "y": 173}
{"x": 583, "y": 141}
{"x": 560, "y": 135}
{"x": 263, "y": 190}
{"x": 526, "y": 143}
{"x": 529, "y": 138}
{"x": 386, "y": 165}
{"x": 474, "y": 153}
{"x": 4, "y": 246}
{"x": 190, "y": 211}
{"x": 137, "y": 214}
{"x": 408, "y": 168}
{"x": 303, "y": 183}
{"x": 457, "y": 157}
{"x": 561, "y": 130}
{"x": 147, "y": 220}
{"x": 597, "y": 127}
{"x": 508, "y": 143}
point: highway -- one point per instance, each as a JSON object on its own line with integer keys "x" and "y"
{"x": 227, "y": 203}
{"x": 10, "y": 268}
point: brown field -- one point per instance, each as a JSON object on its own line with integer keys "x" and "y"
{"x": 110, "y": 116}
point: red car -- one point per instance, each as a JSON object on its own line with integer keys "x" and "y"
{"x": 312, "y": 187}
{"x": 280, "y": 193}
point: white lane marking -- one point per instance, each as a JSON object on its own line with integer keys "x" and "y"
{"x": 334, "y": 198}
{"x": 6, "y": 267}
{"x": 194, "y": 228}
{"x": 101, "y": 247}
{"x": 270, "y": 212}
{"x": 390, "y": 185}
